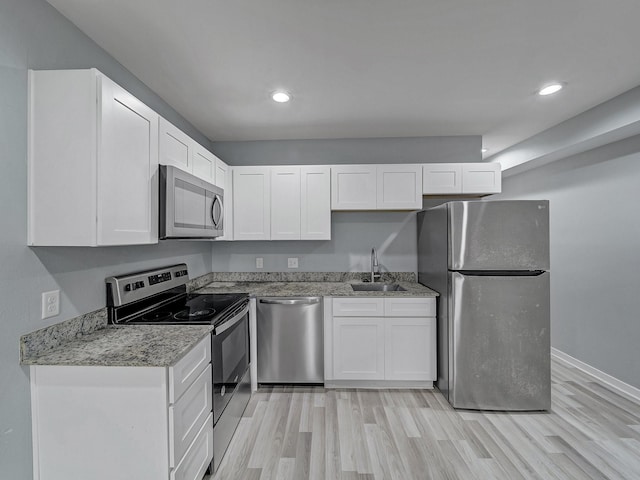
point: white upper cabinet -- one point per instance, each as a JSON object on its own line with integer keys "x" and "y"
{"x": 179, "y": 149}
{"x": 252, "y": 203}
{"x": 315, "y": 203}
{"x": 482, "y": 178}
{"x": 224, "y": 181}
{"x": 285, "y": 203}
{"x": 353, "y": 187}
{"x": 204, "y": 164}
{"x": 461, "y": 178}
{"x": 376, "y": 187}
{"x": 92, "y": 162}
{"x": 176, "y": 147}
{"x": 440, "y": 178}
{"x": 399, "y": 187}
{"x": 298, "y": 201}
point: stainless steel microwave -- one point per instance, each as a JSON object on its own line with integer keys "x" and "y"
{"x": 189, "y": 206}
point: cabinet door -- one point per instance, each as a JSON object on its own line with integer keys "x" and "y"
{"x": 251, "y": 203}
{"x": 127, "y": 169}
{"x": 223, "y": 180}
{"x": 204, "y": 164}
{"x": 399, "y": 187}
{"x": 176, "y": 147}
{"x": 353, "y": 187}
{"x": 315, "y": 203}
{"x": 410, "y": 349}
{"x": 358, "y": 348}
{"x": 285, "y": 203}
{"x": 481, "y": 178}
{"x": 441, "y": 178}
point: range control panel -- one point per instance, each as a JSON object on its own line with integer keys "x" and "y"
{"x": 125, "y": 289}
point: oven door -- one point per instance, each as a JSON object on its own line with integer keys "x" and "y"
{"x": 189, "y": 206}
{"x": 230, "y": 359}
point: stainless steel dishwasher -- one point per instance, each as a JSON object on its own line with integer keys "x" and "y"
{"x": 290, "y": 340}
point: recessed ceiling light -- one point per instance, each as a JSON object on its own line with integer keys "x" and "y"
{"x": 281, "y": 96}
{"x": 484, "y": 150}
{"x": 550, "y": 89}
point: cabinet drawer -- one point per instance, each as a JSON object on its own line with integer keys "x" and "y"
{"x": 188, "y": 415}
{"x": 184, "y": 373}
{"x": 358, "y": 307}
{"x": 199, "y": 455}
{"x": 410, "y": 307}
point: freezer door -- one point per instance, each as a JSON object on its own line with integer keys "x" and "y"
{"x": 499, "y": 235}
{"x": 500, "y": 342}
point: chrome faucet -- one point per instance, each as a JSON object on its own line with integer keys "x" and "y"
{"x": 375, "y": 267}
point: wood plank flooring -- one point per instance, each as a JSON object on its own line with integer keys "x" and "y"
{"x": 295, "y": 433}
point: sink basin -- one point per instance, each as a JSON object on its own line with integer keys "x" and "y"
{"x": 377, "y": 287}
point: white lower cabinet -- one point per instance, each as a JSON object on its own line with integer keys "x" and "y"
{"x": 107, "y": 422}
{"x": 390, "y": 339}
{"x": 358, "y": 348}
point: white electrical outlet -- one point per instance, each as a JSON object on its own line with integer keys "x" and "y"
{"x": 292, "y": 262}
{"x": 50, "y": 304}
{"x": 259, "y": 262}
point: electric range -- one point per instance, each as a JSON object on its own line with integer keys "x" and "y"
{"x": 159, "y": 297}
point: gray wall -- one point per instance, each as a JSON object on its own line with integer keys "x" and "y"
{"x": 353, "y": 234}
{"x": 34, "y": 35}
{"x": 351, "y": 150}
{"x": 595, "y": 259}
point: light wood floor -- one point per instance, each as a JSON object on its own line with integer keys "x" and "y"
{"x": 314, "y": 433}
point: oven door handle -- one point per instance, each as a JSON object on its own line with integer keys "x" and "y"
{"x": 232, "y": 321}
{"x": 296, "y": 301}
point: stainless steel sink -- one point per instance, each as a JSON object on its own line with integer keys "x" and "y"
{"x": 377, "y": 287}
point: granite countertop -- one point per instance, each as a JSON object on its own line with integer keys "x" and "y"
{"x": 311, "y": 289}
{"x": 126, "y": 346}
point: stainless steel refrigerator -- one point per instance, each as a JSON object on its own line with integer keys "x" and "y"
{"x": 489, "y": 262}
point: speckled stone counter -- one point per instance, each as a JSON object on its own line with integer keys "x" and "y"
{"x": 125, "y": 346}
{"x": 239, "y": 283}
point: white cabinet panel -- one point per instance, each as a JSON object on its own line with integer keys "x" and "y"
{"x": 358, "y": 307}
{"x": 410, "y": 307}
{"x": 127, "y": 169}
{"x": 188, "y": 415}
{"x": 251, "y": 203}
{"x": 197, "y": 459}
{"x": 93, "y": 150}
{"x": 482, "y": 178}
{"x": 399, "y": 187}
{"x": 409, "y": 349}
{"x": 176, "y": 147}
{"x": 315, "y": 206}
{"x": 204, "y": 164}
{"x": 224, "y": 180}
{"x": 441, "y": 178}
{"x": 353, "y": 187}
{"x": 358, "y": 348}
{"x": 184, "y": 373}
{"x": 285, "y": 203}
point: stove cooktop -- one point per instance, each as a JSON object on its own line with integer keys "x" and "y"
{"x": 192, "y": 309}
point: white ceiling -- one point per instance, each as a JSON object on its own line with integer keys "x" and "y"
{"x": 371, "y": 68}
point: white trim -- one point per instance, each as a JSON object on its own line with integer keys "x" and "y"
{"x": 628, "y": 391}
{"x": 379, "y": 384}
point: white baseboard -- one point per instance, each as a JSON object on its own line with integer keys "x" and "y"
{"x": 628, "y": 391}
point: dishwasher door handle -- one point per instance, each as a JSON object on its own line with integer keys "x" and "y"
{"x": 291, "y": 301}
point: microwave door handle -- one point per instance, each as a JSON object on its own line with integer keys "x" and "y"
{"x": 216, "y": 223}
